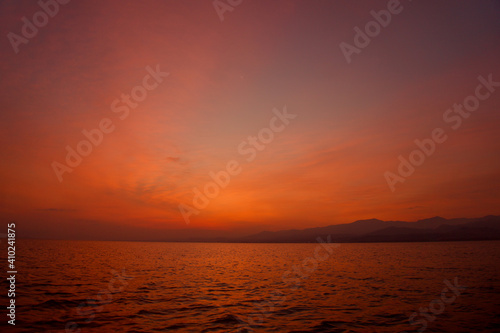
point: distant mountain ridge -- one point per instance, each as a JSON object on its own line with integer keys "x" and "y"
{"x": 374, "y": 230}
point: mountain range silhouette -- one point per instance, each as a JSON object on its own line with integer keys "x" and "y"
{"x": 433, "y": 229}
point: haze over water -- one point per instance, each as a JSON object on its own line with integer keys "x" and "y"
{"x": 239, "y": 123}
{"x": 211, "y": 287}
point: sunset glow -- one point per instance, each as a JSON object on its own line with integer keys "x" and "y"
{"x": 225, "y": 78}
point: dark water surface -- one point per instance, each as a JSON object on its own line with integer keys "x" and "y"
{"x": 76, "y": 286}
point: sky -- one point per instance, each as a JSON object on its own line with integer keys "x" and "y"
{"x": 207, "y": 78}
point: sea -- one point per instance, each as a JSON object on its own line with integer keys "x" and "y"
{"x": 99, "y": 286}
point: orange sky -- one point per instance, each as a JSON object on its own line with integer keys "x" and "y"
{"x": 225, "y": 78}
